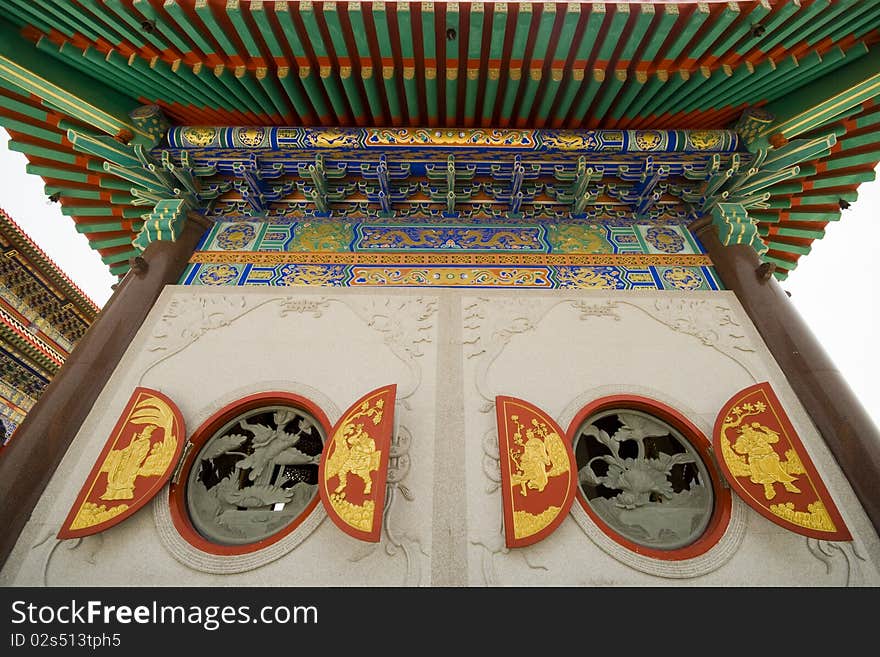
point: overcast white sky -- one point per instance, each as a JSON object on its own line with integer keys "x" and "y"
{"x": 834, "y": 287}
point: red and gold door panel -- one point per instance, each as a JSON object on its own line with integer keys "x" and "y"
{"x": 138, "y": 458}
{"x": 354, "y": 465}
{"x": 538, "y": 471}
{"x": 766, "y": 464}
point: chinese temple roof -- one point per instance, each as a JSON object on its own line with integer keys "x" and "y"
{"x": 812, "y": 66}
{"x": 17, "y": 245}
{"x": 42, "y": 312}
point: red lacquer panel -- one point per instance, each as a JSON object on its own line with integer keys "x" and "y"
{"x": 538, "y": 471}
{"x": 765, "y": 462}
{"x": 354, "y": 465}
{"x": 137, "y": 460}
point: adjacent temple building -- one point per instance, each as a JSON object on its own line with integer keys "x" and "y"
{"x": 445, "y": 294}
{"x": 43, "y": 314}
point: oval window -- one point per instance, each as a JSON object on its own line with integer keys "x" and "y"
{"x": 645, "y": 482}
{"x": 252, "y": 475}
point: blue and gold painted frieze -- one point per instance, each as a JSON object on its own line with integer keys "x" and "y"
{"x": 455, "y": 238}
{"x": 583, "y": 141}
{"x": 341, "y": 237}
{"x": 453, "y": 269}
{"x": 617, "y": 277}
{"x": 607, "y": 212}
{"x": 540, "y": 255}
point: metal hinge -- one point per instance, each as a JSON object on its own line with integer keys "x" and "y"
{"x": 187, "y": 448}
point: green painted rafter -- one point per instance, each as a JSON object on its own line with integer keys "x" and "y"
{"x": 389, "y": 70}
{"x": 493, "y": 74}
{"x": 88, "y": 101}
{"x": 847, "y": 87}
{"x": 516, "y": 66}
{"x": 557, "y": 63}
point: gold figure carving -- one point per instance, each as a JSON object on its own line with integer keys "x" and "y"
{"x": 752, "y": 455}
{"x": 765, "y": 467}
{"x": 355, "y": 451}
{"x": 542, "y": 456}
{"x": 141, "y": 458}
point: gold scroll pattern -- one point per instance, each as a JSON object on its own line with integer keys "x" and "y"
{"x": 469, "y": 137}
{"x": 451, "y": 277}
{"x": 635, "y": 260}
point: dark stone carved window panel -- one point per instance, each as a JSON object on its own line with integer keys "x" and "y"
{"x": 252, "y": 475}
{"x": 646, "y": 478}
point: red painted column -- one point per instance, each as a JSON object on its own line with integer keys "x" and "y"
{"x": 42, "y": 439}
{"x": 846, "y": 427}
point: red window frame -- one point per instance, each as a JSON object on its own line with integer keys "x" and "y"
{"x": 720, "y": 518}
{"x": 177, "y": 492}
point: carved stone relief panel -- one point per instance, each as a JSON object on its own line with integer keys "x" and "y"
{"x": 206, "y": 348}
{"x": 561, "y": 351}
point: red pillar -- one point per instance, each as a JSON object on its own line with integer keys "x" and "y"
{"x": 846, "y": 427}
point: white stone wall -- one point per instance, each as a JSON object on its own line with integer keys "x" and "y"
{"x": 450, "y": 352}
